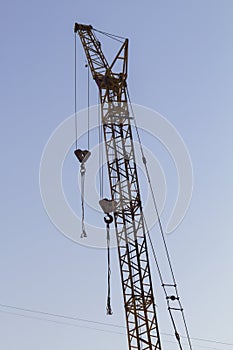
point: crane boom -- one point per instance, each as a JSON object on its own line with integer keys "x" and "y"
{"x": 139, "y": 303}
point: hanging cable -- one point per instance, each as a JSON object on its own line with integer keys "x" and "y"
{"x": 88, "y": 106}
{"x": 75, "y": 91}
{"x": 82, "y": 157}
{"x": 109, "y": 309}
{"x": 82, "y": 172}
{"x": 102, "y": 156}
{"x": 108, "y": 220}
{"x": 101, "y": 173}
{"x": 162, "y": 235}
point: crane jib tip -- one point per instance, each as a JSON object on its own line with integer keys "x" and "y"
{"x": 78, "y": 26}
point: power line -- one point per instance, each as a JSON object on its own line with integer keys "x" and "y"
{"x": 61, "y": 322}
{"x": 91, "y": 328}
{"x": 72, "y": 318}
{"x": 58, "y": 315}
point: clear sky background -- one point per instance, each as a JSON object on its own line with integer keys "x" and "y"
{"x": 180, "y": 64}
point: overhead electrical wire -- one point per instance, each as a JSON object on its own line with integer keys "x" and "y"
{"x": 72, "y": 318}
{"x": 79, "y": 326}
{"x": 61, "y": 322}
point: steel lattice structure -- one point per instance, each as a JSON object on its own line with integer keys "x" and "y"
{"x": 130, "y": 229}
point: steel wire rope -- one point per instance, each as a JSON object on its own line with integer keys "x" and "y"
{"x": 108, "y": 307}
{"x": 160, "y": 277}
{"x": 75, "y": 91}
{"x": 82, "y": 169}
{"x": 159, "y": 222}
{"x": 75, "y": 97}
{"x": 88, "y": 106}
{"x": 100, "y": 136}
{"x": 111, "y": 36}
{"x": 83, "y": 172}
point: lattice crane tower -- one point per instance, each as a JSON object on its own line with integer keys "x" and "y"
{"x": 130, "y": 229}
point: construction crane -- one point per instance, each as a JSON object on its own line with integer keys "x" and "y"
{"x": 125, "y": 205}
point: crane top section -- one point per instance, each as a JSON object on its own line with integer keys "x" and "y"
{"x": 78, "y": 26}
{"x": 111, "y": 77}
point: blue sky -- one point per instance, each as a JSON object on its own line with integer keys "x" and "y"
{"x": 180, "y": 64}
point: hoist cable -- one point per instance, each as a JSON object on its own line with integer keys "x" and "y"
{"x": 102, "y": 160}
{"x": 75, "y": 91}
{"x": 101, "y": 174}
{"x": 88, "y": 107}
{"x": 108, "y": 307}
{"x": 82, "y": 172}
{"x": 159, "y": 220}
{"x": 100, "y": 168}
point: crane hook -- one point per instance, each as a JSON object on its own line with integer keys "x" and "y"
{"x": 108, "y": 219}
